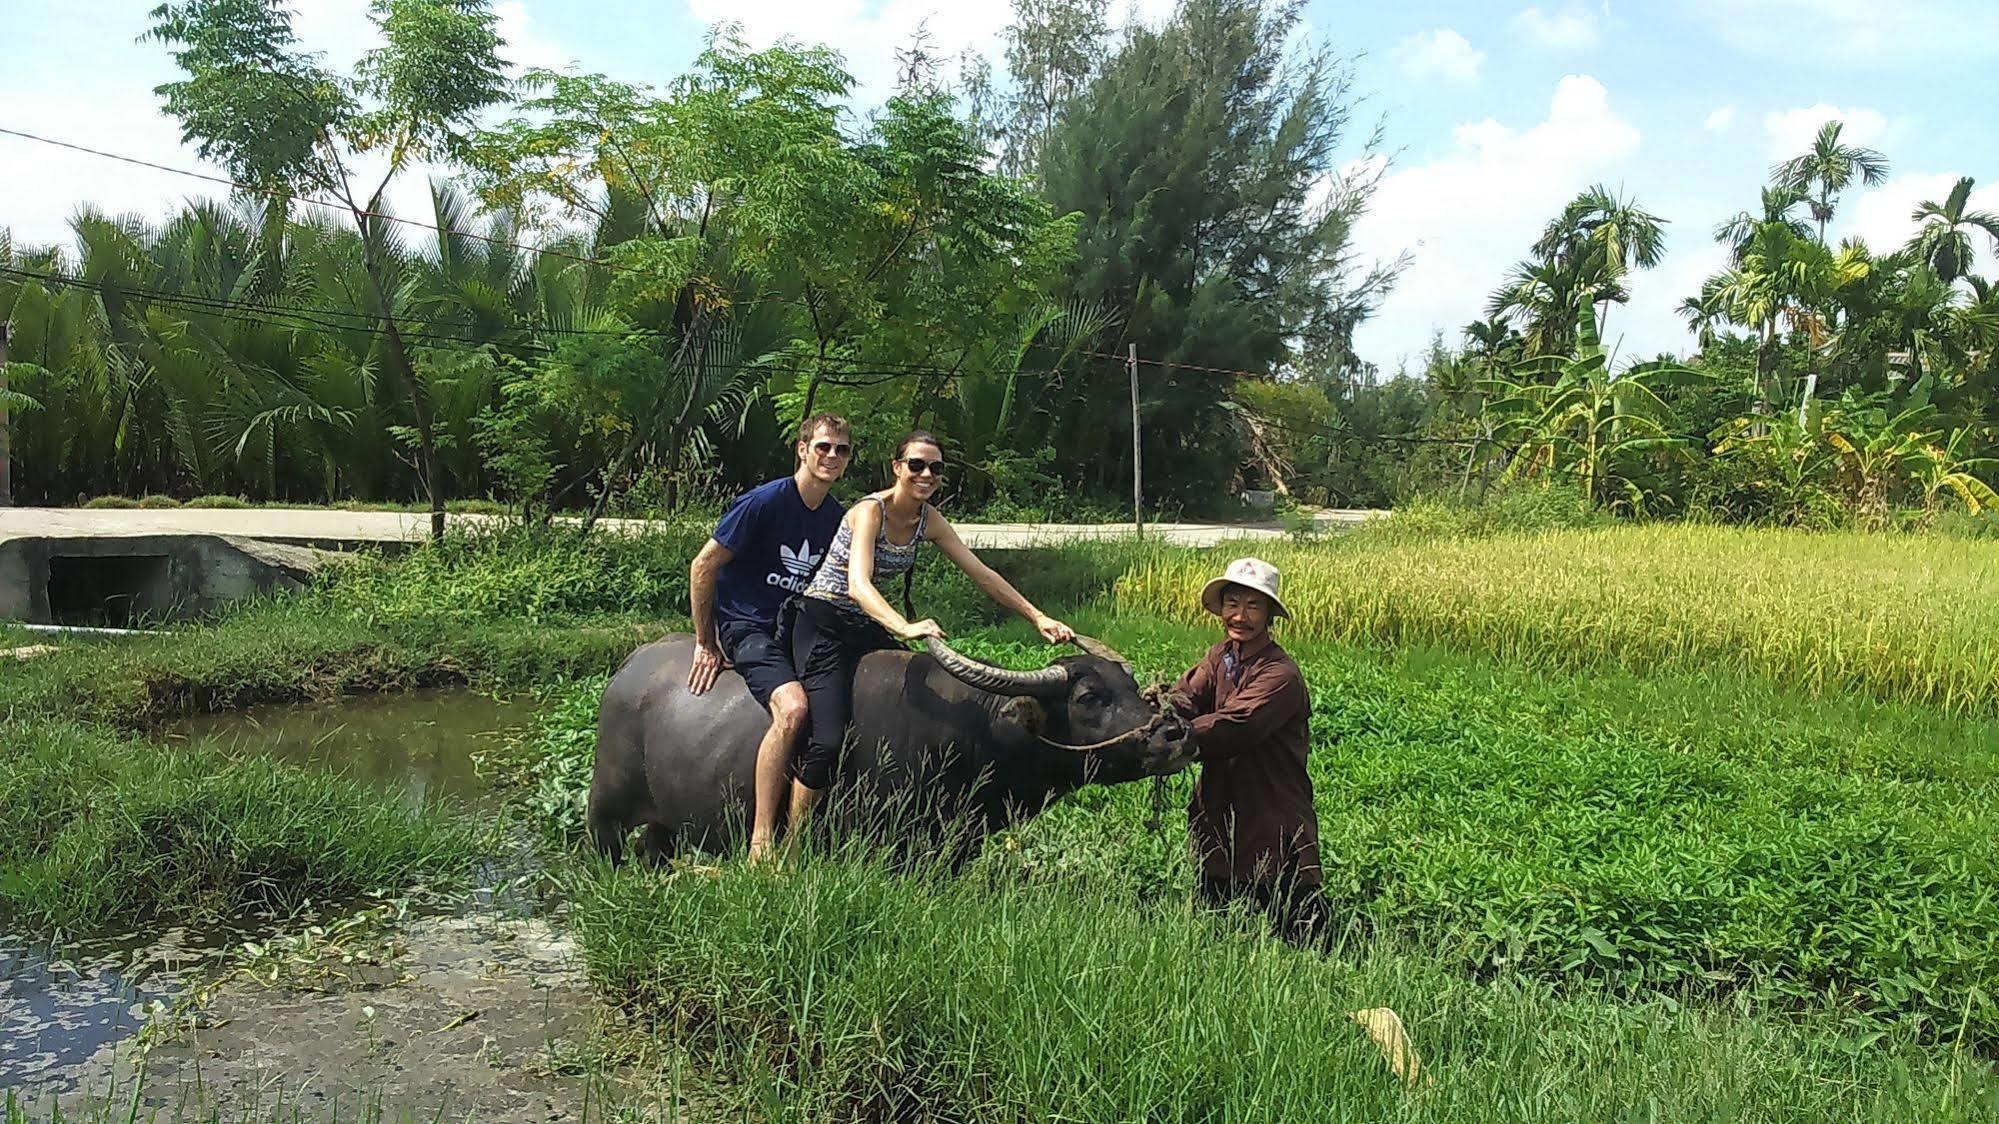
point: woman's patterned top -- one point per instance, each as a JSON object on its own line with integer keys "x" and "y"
{"x": 830, "y": 582}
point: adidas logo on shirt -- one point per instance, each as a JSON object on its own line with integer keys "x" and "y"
{"x": 798, "y": 565}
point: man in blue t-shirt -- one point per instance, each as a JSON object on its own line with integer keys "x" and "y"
{"x": 763, "y": 551}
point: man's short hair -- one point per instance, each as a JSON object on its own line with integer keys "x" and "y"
{"x": 833, "y": 422}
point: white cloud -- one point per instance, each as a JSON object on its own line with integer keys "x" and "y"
{"x": 1571, "y": 28}
{"x": 1441, "y": 53}
{"x": 1469, "y": 214}
{"x": 1864, "y": 32}
{"x": 1791, "y": 130}
{"x": 526, "y": 46}
{"x": 1721, "y": 120}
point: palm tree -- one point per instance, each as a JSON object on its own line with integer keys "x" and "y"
{"x": 1778, "y": 201}
{"x": 1830, "y": 167}
{"x": 1945, "y": 238}
{"x": 1598, "y": 238}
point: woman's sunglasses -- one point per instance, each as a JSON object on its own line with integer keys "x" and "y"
{"x": 917, "y": 466}
{"x": 832, "y": 448}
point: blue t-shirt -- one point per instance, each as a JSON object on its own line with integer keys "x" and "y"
{"x": 776, "y": 543}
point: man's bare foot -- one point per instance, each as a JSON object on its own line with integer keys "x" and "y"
{"x": 762, "y": 852}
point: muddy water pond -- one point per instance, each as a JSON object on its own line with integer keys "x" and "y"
{"x": 420, "y": 743}
{"x": 70, "y": 1013}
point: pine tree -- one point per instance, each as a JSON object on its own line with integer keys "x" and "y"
{"x": 1205, "y": 160}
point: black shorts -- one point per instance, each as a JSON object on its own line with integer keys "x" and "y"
{"x": 758, "y": 656}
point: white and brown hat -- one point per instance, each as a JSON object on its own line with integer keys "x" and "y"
{"x": 1250, "y": 573}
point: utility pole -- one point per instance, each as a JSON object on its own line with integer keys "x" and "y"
{"x": 1137, "y": 462}
{"x": 6, "y": 442}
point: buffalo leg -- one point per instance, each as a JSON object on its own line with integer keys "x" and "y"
{"x": 657, "y": 844}
{"x": 607, "y": 832}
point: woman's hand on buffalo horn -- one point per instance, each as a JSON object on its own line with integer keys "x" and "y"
{"x": 1054, "y": 631}
{"x": 921, "y": 630}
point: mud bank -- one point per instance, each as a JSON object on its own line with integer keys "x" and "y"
{"x": 469, "y": 1017}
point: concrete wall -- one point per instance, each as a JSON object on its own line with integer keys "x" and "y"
{"x": 106, "y": 579}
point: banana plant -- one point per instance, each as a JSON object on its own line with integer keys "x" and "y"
{"x": 1877, "y": 448}
{"x": 1950, "y": 467}
{"x": 1576, "y": 416}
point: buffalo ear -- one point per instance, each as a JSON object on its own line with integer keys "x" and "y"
{"x": 1022, "y": 716}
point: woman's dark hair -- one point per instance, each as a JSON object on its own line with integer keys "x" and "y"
{"x": 915, "y": 437}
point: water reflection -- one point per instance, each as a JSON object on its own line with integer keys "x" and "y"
{"x": 420, "y": 743}
{"x": 59, "y": 1004}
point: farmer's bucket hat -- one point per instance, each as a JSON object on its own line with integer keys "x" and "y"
{"x": 1250, "y": 573}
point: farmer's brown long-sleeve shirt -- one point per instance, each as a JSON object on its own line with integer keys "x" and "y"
{"x": 1251, "y": 817}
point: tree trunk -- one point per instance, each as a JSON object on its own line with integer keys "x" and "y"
{"x": 6, "y": 438}
{"x": 399, "y": 356}
{"x": 617, "y": 468}
{"x": 1766, "y": 369}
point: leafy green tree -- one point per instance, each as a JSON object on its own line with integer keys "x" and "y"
{"x": 277, "y": 118}
{"x": 1948, "y": 466}
{"x": 891, "y": 248}
{"x": 1052, "y": 48}
{"x": 1778, "y": 279}
{"x": 1199, "y": 158}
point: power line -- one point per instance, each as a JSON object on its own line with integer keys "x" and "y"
{"x": 344, "y": 208}
{"x": 274, "y": 193}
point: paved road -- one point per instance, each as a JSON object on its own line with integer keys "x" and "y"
{"x": 324, "y": 527}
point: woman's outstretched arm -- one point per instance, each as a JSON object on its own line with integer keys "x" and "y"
{"x": 940, "y": 531}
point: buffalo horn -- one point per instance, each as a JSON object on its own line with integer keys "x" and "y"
{"x": 1092, "y": 646}
{"x": 999, "y": 680}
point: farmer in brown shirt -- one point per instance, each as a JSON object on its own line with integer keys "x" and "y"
{"x": 1254, "y": 829}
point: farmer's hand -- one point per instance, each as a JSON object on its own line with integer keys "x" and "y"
{"x": 708, "y": 663}
{"x": 922, "y": 629}
{"x": 1164, "y": 698}
{"x": 1054, "y": 631}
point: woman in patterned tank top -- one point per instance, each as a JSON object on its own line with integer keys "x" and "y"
{"x": 843, "y": 615}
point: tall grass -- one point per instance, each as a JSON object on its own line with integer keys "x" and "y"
{"x": 845, "y": 993}
{"x": 1914, "y": 618}
{"x": 100, "y": 829}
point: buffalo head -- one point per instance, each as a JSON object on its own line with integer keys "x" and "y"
{"x": 1087, "y": 707}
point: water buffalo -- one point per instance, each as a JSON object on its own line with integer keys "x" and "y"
{"x": 941, "y": 744}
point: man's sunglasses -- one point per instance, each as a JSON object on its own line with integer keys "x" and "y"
{"x": 832, "y": 448}
{"x": 917, "y": 466}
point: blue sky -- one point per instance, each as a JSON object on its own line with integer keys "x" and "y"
{"x": 1495, "y": 112}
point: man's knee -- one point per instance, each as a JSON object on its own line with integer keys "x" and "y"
{"x": 788, "y": 710}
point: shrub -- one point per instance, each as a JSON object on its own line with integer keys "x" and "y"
{"x": 542, "y": 575}
{"x": 118, "y": 503}
{"x": 223, "y": 502}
